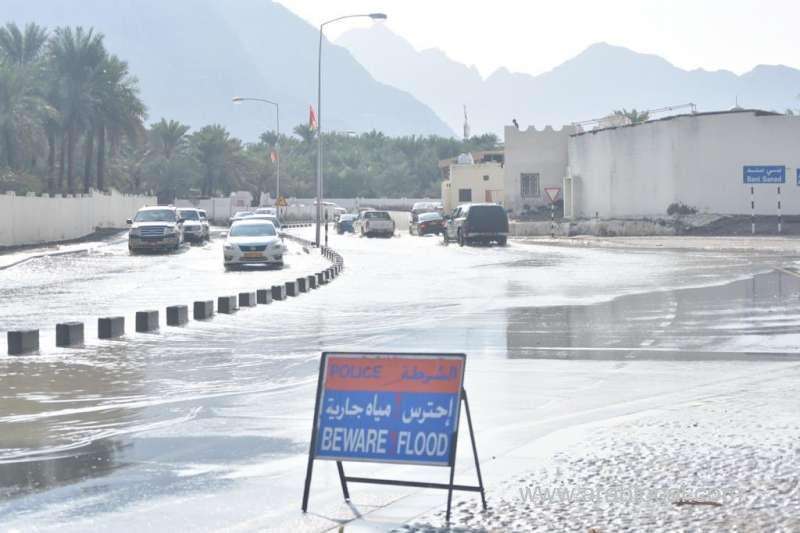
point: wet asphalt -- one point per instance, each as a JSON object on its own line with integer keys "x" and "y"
{"x": 198, "y": 426}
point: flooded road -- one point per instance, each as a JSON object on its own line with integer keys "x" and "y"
{"x": 206, "y": 427}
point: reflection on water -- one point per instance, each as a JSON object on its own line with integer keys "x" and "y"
{"x": 701, "y": 323}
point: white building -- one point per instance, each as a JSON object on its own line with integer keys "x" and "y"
{"x": 638, "y": 170}
{"x": 535, "y": 160}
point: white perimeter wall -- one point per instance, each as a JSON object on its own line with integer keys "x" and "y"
{"x": 640, "y": 170}
{"x": 39, "y": 219}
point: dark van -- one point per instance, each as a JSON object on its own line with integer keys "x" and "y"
{"x": 477, "y": 223}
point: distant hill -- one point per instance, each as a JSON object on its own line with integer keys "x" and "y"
{"x": 193, "y": 56}
{"x": 598, "y": 80}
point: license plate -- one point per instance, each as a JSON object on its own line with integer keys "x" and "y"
{"x": 249, "y": 255}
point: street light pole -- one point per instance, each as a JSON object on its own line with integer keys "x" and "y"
{"x": 239, "y": 99}
{"x": 374, "y": 16}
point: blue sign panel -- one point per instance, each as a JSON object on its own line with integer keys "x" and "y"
{"x": 398, "y": 408}
{"x": 754, "y": 174}
{"x": 798, "y": 176}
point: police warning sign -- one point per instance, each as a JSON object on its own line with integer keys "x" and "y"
{"x": 399, "y": 408}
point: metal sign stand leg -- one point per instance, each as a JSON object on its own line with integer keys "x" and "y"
{"x": 343, "y": 480}
{"x": 474, "y": 448}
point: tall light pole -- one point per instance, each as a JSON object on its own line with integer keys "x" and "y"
{"x": 240, "y": 99}
{"x": 374, "y": 16}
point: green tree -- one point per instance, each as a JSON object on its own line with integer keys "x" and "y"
{"x": 305, "y": 132}
{"x": 78, "y": 57}
{"x": 168, "y": 137}
{"x": 21, "y": 47}
{"x": 636, "y": 117}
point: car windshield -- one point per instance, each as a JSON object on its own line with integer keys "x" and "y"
{"x": 240, "y": 214}
{"x": 253, "y": 230}
{"x": 383, "y": 215}
{"x": 203, "y": 215}
{"x": 347, "y": 218}
{"x": 155, "y": 215}
{"x": 189, "y": 214}
{"x": 428, "y": 217}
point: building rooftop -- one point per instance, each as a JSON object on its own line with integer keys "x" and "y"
{"x": 735, "y": 110}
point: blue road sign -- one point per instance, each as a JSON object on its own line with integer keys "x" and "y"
{"x": 798, "y": 176}
{"x": 754, "y": 174}
{"x": 398, "y": 408}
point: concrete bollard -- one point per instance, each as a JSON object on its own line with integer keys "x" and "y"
{"x": 203, "y": 309}
{"x": 321, "y": 279}
{"x": 291, "y": 288}
{"x": 146, "y": 321}
{"x": 302, "y": 284}
{"x": 312, "y": 282}
{"x": 177, "y": 315}
{"x": 278, "y": 292}
{"x": 226, "y": 304}
{"x": 23, "y": 341}
{"x": 264, "y": 296}
{"x": 110, "y": 327}
{"x": 247, "y": 299}
{"x": 69, "y": 334}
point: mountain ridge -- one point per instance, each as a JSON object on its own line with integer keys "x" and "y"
{"x": 599, "y": 79}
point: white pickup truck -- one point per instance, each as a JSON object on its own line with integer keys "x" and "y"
{"x": 370, "y": 223}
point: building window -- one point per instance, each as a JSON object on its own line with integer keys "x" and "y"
{"x": 464, "y": 195}
{"x": 529, "y": 185}
{"x": 486, "y": 177}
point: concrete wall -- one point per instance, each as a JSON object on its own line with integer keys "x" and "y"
{"x": 640, "y": 170}
{"x": 479, "y": 178}
{"x": 534, "y": 151}
{"x": 39, "y": 219}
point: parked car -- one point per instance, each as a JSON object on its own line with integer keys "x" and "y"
{"x": 270, "y": 218}
{"x": 426, "y": 224}
{"x": 373, "y": 222}
{"x": 425, "y": 207}
{"x": 193, "y": 230}
{"x": 155, "y": 228}
{"x": 206, "y": 224}
{"x": 345, "y": 223}
{"x": 239, "y": 215}
{"x": 253, "y": 241}
{"x": 338, "y": 212}
{"x": 477, "y": 223}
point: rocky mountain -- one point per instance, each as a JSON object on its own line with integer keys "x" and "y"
{"x": 598, "y": 80}
{"x": 193, "y": 56}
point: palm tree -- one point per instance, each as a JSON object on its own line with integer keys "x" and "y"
{"x": 169, "y": 137}
{"x": 118, "y": 113}
{"x": 78, "y": 57}
{"x": 211, "y": 144}
{"x": 19, "y": 47}
{"x": 21, "y": 111}
{"x": 636, "y": 117}
{"x": 305, "y": 132}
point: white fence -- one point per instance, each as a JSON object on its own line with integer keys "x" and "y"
{"x": 219, "y": 210}
{"x": 40, "y": 219}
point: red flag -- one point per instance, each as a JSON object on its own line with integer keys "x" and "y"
{"x": 273, "y": 156}
{"x": 312, "y": 118}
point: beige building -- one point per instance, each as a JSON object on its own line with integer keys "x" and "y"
{"x": 465, "y": 180}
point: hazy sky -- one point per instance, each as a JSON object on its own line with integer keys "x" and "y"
{"x": 535, "y": 35}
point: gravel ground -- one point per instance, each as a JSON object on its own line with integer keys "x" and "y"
{"x": 726, "y": 463}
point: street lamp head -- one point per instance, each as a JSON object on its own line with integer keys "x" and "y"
{"x": 378, "y": 16}
{"x": 237, "y": 99}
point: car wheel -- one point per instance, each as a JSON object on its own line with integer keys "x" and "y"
{"x": 460, "y": 238}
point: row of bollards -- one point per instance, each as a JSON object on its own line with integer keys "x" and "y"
{"x": 69, "y": 334}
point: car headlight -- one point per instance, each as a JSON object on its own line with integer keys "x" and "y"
{"x": 227, "y": 246}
